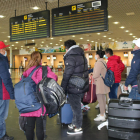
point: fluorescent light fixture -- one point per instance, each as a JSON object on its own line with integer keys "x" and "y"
{"x": 1, "y": 16}
{"x": 104, "y": 36}
{"x": 109, "y": 16}
{"x": 130, "y": 34}
{"x": 16, "y": 42}
{"x": 116, "y": 22}
{"x": 98, "y": 33}
{"x": 81, "y": 38}
{"x": 50, "y": 43}
{"x": 127, "y": 31}
{"x": 122, "y": 27}
{"x": 35, "y": 8}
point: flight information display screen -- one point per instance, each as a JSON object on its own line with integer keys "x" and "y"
{"x": 30, "y": 26}
{"x": 80, "y": 18}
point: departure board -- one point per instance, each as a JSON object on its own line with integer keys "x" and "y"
{"x": 80, "y": 18}
{"x": 30, "y": 26}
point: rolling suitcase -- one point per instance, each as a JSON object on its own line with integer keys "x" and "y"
{"x": 66, "y": 114}
{"x": 124, "y": 119}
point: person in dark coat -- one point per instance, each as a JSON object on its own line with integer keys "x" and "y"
{"x": 75, "y": 65}
{"x": 134, "y": 72}
{"x": 6, "y": 91}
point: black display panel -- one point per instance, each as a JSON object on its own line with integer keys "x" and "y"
{"x": 80, "y": 18}
{"x": 30, "y": 26}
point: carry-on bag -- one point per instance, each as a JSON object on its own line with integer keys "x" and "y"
{"x": 66, "y": 114}
{"x": 90, "y": 96}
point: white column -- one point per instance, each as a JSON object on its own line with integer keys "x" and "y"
{"x": 11, "y": 57}
{"x": 95, "y": 45}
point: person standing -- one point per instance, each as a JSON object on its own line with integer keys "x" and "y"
{"x": 101, "y": 89}
{"x": 135, "y": 70}
{"x": 6, "y": 91}
{"x": 75, "y": 65}
{"x": 114, "y": 64}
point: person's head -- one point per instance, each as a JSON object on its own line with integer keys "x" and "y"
{"x": 99, "y": 54}
{"x": 108, "y": 52}
{"x": 36, "y": 58}
{"x": 3, "y": 48}
{"x": 137, "y": 44}
{"x": 69, "y": 43}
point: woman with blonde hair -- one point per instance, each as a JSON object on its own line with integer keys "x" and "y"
{"x": 35, "y": 117}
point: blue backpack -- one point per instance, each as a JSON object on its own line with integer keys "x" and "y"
{"x": 25, "y": 98}
{"x": 109, "y": 77}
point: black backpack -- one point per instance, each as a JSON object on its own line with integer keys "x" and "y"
{"x": 50, "y": 93}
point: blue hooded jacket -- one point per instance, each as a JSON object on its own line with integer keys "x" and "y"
{"x": 135, "y": 69}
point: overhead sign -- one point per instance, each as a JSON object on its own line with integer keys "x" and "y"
{"x": 80, "y": 18}
{"x": 30, "y": 26}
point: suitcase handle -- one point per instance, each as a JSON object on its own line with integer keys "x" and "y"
{"x": 125, "y": 103}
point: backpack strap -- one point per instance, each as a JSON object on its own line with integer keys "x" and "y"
{"x": 33, "y": 71}
{"x": 44, "y": 71}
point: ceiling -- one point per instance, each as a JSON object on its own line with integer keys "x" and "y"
{"x": 117, "y": 9}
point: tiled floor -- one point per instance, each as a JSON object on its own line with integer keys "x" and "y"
{"x": 55, "y": 131}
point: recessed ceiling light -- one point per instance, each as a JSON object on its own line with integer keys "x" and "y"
{"x": 41, "y": 45}
{"x": 50, "y": 43}
{"x": 116, "y": 41}
{"x": 104, "y": 36}
{"x": 109, "y": 38}
{"x": 116, "y": 22}
{"x": 1, "y": 16}
{"x": 12, "y": 45}
{"x": 98, "y": 33}
{"x": 8, "y": 36}
{"x": 96, "y": 42}
{"x": 109, "y": 16}
{"x": 15, "y": 48}
{"x": 5, "y": 40}
{"x": 35, "y": 8}
{"x": 122, "y": 27}
{"x": 21, "y": 46}
{"x": 92, "y": 41}
{"x": 33, "y": 47}
{"x": 81, "y": 38}
{"x": 16, "y": 42}
{"x": 33, "y": 40}
{"x": 113, "y": 39}
{"x": 127, "y": 31}
{"x": 73, "y": 36}
{"x": 60, "y": 40}
{"x": 42, "y": 41}
{"x": 51, "y": 38}
{"x": 28, "y": 47}
{"x": 130, "y": 34}
{"x": 134, "y": 36}
{"x": 61, "y": 45}
{"x": 87, "y": 40}
{"x": 56, "y": 44}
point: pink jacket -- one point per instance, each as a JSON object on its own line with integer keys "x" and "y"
{"x": 37, "y": 77}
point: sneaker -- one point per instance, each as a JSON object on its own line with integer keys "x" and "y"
{"x": 97, "y": 106}
{"x": 6, "y": 137}
{"x": 107, "y": 109}
{"x": 75, "y": 131}
{"x": 71, "y": 126}
{"x": 100, "y": 115}
{"x": 100, "y": 118}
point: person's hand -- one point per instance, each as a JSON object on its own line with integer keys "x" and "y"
{"x": 125, "y": 88}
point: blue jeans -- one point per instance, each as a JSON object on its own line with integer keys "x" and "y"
{"x": 134, "y": 94}
{"x": 4, "y": 108}
{"x": 113, "y": 91}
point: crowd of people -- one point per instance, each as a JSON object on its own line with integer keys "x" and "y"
{"x": 75, "y": 65}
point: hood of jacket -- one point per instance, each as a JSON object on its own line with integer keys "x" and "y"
{"x": 114, "y": 58}
{"x": 74, "y": 50}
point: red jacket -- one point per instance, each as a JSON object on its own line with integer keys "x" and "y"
{"x": 115, "y": 64}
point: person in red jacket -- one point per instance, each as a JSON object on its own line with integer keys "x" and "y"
{"x": 115, "y": 64}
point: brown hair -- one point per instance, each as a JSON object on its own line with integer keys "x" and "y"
{"x": 35, "y": 60}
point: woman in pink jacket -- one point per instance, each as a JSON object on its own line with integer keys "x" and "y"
{"x": 35, "y": 117}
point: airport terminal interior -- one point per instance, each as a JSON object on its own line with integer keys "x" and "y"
{"x": 44, "y": 25}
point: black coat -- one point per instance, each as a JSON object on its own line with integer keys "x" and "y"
{"x": 74, "y": 65}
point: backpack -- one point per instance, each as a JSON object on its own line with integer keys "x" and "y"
{"x": 109, "y": 77}
{"x": 24, "y": 92}
{"x": 50, "y": 93}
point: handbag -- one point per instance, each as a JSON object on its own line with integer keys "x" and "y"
{"x": 77, "y": 81}
{"x": 90, "y": 96}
